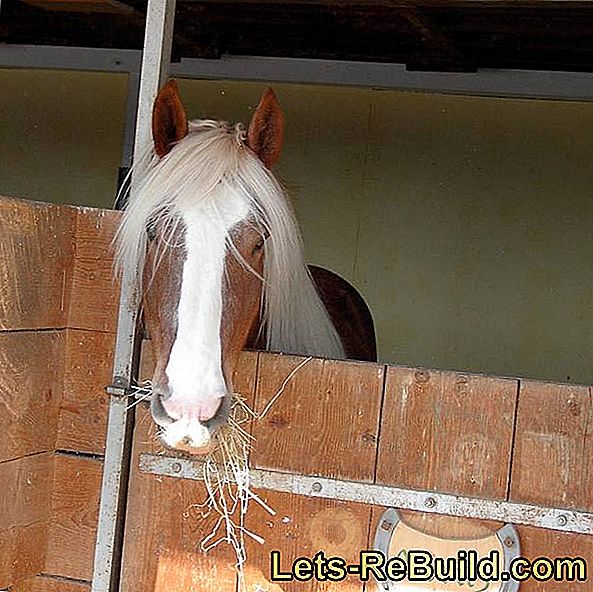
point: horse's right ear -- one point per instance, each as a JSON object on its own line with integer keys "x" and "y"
{"x": 169, "y": 123}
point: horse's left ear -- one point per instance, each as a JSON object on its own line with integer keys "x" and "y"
{"x": 266, "y": 130}
{"x": 169, "y": 122}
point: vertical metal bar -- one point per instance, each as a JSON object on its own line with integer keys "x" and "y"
{"x": 108, "y": 549}
{"x": 129, "y": 135}
{"x": 131, "y": 117}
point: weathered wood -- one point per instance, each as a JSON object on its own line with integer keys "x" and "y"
{"x": 163, "y": 553}
{"x": 536, "y": 542}
{"x": 96, "y": 294}
{"x": 446, "y": 431}
{"x": 51, "y": 584}
{"x": 302, "y": 527}
{"x": 24, "y": 518}
{"x": 95, "y": 290}
{"x": 326, "y": 420}
{"x": 83, "y": 414}
{"x": 95, "y": 230}
{"x": 31, "y": 373}
{"x": 553, "y": 456}
{"x": 36, "y": 249}
{"x": 74, "y": 513}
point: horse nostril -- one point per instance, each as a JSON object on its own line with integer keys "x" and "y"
{"x": 157, "y": 410}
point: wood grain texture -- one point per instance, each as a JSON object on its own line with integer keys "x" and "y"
{"x": 537, "y": 542}
{"x": 95, "y": 291}
{"x": 302, "y": 527}
{"x": 24, "y": 516}
{"x": 85, "y": 403}
{"x": 74, "y": 513}
{"x": 31, "y": 374}
{"x": 164, "y": 529}
{"x": 325, "y": 422}
{"x": 553, "y": 459}
{"x": 447, "y": 432}
{"x": 95, "y": 230}
{"x": 46, "y": 583}
{"x": 36, "y": 250}
{"x": 162, "y": 553}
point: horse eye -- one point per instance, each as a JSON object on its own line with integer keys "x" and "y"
{"x": 151, "y": 232}
{"x": 259, "y": 245}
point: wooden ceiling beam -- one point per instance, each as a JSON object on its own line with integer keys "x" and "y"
{"x": 440, "y": 51}
{"x": 109, "y": 6}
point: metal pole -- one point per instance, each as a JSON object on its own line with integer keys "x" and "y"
{"x": 108, "y": 549}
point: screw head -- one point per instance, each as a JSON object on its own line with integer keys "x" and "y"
{"x": 176, "y": 467}
{"x": 316, "y": 487}
{"x": 562, "y": 520}
{"x": 430, "y": 502}
{"x": 509, "y": 542}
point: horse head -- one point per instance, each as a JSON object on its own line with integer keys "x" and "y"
{"x": 223, "y": 262}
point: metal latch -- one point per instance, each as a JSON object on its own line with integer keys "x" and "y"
{"x": 119, "y": 388}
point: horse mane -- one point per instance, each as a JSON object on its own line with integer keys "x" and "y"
{"x": 211, "y": 161}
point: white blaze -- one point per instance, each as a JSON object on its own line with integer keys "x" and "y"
{"x": 194, "y": 370}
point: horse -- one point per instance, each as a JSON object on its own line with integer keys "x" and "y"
{"x": 223, "y": 266}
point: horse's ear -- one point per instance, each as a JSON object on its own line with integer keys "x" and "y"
{"x": 169, "y": 123}
{"x": 266, "y": 130}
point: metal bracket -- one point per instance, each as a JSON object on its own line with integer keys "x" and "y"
{"x": 119, "y": 388}
{"x": 562, "y": 519}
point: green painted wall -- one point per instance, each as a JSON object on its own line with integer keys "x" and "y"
{"x": 465, "y": 222}
{"x": 61, "y": 135}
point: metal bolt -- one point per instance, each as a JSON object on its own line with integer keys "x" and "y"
{"x": 430, "y": 502}
{"x": 509, "y": 541}
{"x": 316, "y": 487}
{"x": 562, "y": 520}
{"x": 176, "y": 467}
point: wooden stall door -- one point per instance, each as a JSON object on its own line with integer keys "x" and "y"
{"x": 36, "y": 255}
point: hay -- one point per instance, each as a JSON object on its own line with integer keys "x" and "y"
{"x": 225, "y": 472}
{"x": 226, "y": 475}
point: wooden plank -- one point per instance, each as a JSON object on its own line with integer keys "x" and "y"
{"x": 325, "y": 422}
{"x": 36, "y": 248}
{"x": 163, "y": 553}
{"x": 447, "y": 432}
{"x": 94, "y": 287}
{"x": 24, "y": 517}
{"x": 31, "y": 373}
{"x": 74, "y": 514}
{"x": 83, "y": 413}
{"x": 46, "y": 583}
{"x": 302, "y": 527}
{"x": 95, "y": 230}
{"x": 553, "y": 457}
{"x": 95, "y": 293}
{"x": 537, "y": 542}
